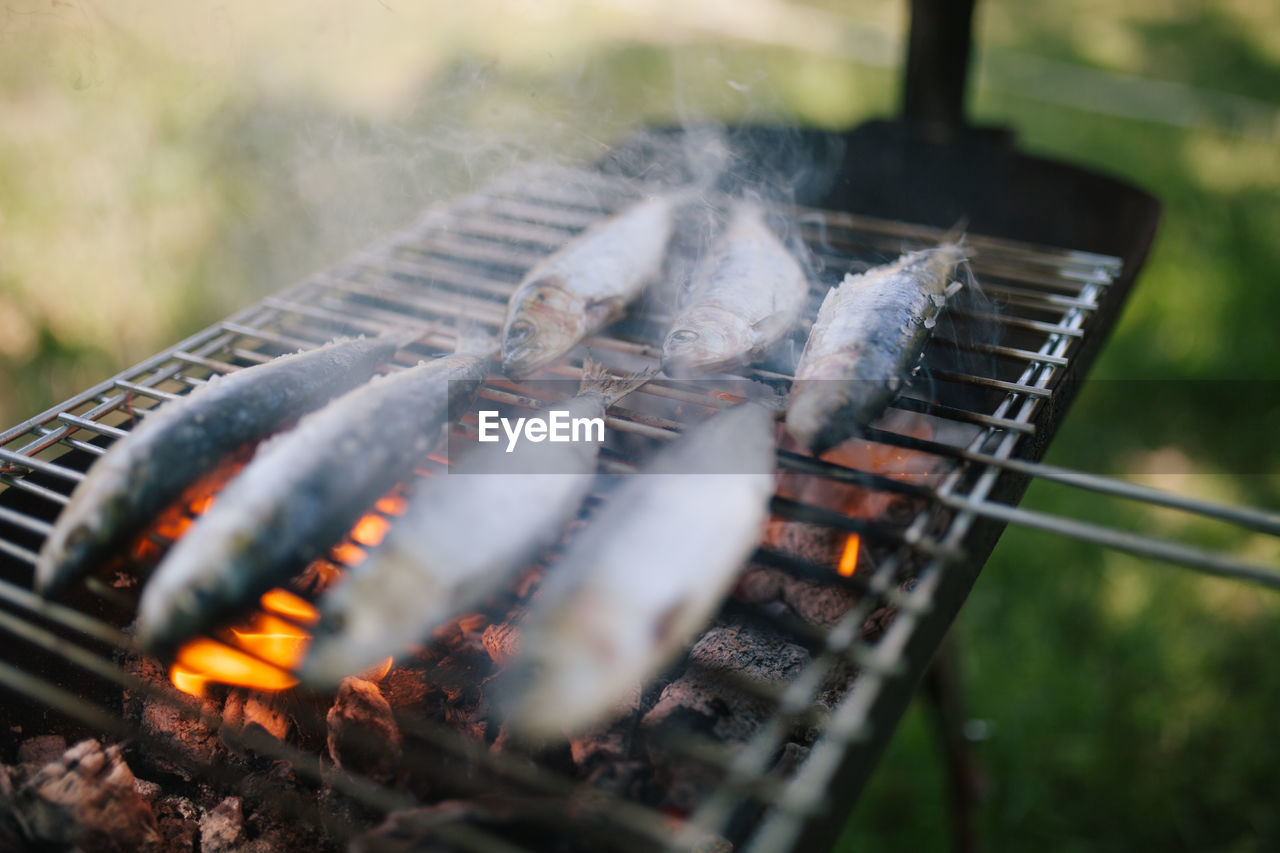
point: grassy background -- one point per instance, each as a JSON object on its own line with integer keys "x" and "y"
{"x": 163, "y": 165}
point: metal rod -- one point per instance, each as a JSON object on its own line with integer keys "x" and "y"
{"x": 27, "y": 522}
{"x": 42, "y": 466}
{"x": 93, "y": 426}
{"x": 155, "y": 393}
{"x": 1120, "y": 540}
{"x": 1259, "y": 520}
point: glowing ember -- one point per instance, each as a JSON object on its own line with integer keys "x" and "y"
{"x": 391, "y": 504}
{"x": 849, "y": 559}
{"x": 370, "y": 530}
{"x": 348, "y": 554}
{"x": 201, "y": 505}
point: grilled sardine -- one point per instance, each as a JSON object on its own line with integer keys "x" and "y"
{"x": 184, "y": 439}
{"x": 868, "y": 336}
{"x": 301, "y": 493}
{"x": 463, "y": 536}
{"x": 586, "y": 285}
{"x": 645, "y": 575}
{"x": 752, "y": 296}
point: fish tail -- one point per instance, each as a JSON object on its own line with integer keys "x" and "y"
{"x": 597, "y": 378}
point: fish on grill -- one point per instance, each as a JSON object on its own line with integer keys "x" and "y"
{"x": 644, "y": 576}
{"x": 301, "y": 493}
{"x": 185, "y": 439}
{"x": 748, "y": 302}
{"x": 586, "y": 285}
{"x": 868, "y": 336}
{"x": 462, "y": 537}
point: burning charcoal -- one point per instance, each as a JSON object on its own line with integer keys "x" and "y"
{"x": 700, "y": 701}
{"x": 600, "y": 745}
{"x": 406, "y": 687}
{"x": 222, "y": 829}
{"x": 39, "y": 751}
{"x": 182, "y": 740}
{"x": 245, "y": 708}
{"x": 178, "y": 819}
{"x": 813, "y": 542}
{"x": 87, "y": 797}
{"x": 712, "y": 705}
{"x": 820, "y": 604}
{"x": 363, "y": 735}
{"x": 502, "y": 640}
{"x": 425, "y": 830}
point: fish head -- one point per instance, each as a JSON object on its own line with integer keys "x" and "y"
{"x": 74, "y": 545}
{"x": 544, "y": 321}
{"x": 90, "y": 528}
{"x": 704, "y": 340}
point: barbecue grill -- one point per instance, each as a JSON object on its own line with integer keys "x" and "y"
{"x": 1055, "y": 251}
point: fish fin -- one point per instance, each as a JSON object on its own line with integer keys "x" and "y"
{"x": 596, "y": 377}
{"x": 956, "y": 233}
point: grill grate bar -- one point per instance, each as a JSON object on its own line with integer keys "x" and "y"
{"x": 155, "y": 393}
{"x": 26, "y": 555}
{"x": 93, "y": 426}
{"x": 39, "y": 465}
{"x": 26, "y": 522}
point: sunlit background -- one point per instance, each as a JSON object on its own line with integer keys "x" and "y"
{"x": 162, "y": 165}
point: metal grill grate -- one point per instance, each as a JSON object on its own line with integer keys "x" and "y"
{"x": 992, "y": 378}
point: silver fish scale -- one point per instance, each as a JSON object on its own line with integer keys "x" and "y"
{"x": 187, "y": 438}
{"x": 868, "y": 335}
{"x": 749, "y": 301}
{"x": 288, "y": 505}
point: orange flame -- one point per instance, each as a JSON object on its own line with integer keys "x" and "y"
{"x": 266, "y": 648}
{"x": 262, "y": 652}
{"x": 203, "y": 660}
{"x": 849, "y": 559}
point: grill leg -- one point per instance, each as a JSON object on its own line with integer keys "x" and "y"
{"x": 965, "y": 783}
{"x": 938, "y": 62}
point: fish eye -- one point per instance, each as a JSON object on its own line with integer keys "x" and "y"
{"x": 520, "y": 331}
{"x": 684, "y": 336}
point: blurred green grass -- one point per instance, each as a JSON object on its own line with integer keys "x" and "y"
{"x": 164, "y": 166}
